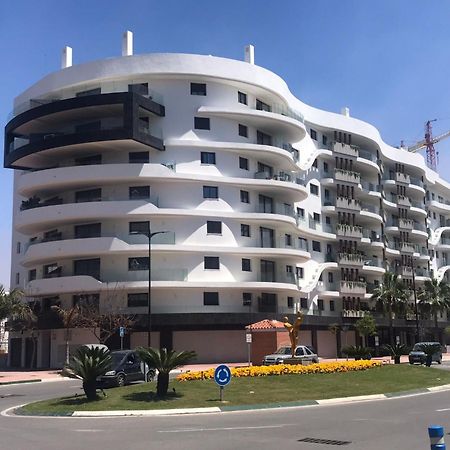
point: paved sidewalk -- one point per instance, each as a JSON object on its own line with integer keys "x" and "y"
{"x": 10, "y": 377}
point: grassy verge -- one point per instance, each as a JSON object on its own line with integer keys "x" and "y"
{"x": 249, "y": 391}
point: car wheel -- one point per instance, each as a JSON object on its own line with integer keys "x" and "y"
{"x": 315, "y": 360}
{"x": 120, "y": 380}
{"x": 439, "y": 361}
{"x": 150, "y": 376}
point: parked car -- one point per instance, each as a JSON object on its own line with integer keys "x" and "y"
{"x": 417, "y": 355}
{"x": 125, "y": 367}
{"x": 302, "y": 352}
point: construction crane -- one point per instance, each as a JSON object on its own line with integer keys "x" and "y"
{"x": 428, "y": 143}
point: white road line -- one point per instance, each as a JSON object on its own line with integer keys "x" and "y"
{"x": 88, "y": 431}
{"x": 445, "y": 409}
{"x": 201, "y": 430}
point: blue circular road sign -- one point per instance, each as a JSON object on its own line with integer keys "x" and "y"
{"x": 222, "y": 375}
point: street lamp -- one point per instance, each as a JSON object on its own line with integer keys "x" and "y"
{"x": 149, "y": 235}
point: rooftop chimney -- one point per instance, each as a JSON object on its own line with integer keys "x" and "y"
{"x": 66, "y": 57}
{"x": 345, "y": 111}
{"x": 127, "y": 43}
{"x": 250, "y": 54}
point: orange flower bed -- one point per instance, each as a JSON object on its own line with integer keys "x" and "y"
{"x": 284, "y": 369}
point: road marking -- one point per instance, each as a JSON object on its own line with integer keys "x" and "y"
{"x": 445, "y": 409}
{"x": 195, "y": 430}
{"x": 88, "y": 431}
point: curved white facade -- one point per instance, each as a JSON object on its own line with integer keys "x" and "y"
{"x": 292, "y": 207}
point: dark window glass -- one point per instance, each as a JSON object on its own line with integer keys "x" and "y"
{"x": 288, "y": 240}
{"x": 316, "y": 246}
{"x": 214, "y": 227}
{"x": 313, "y": 134}
{"x": 138, "y": 227}
{"x": 316, "y": 217}
{"x": 267, "y": 270}
{"x": 198, "y": 89}
{"x": 245, "y": 230}
{"x": 88, "y": 231}
{"x": 89, "y": 267}
{"x": 320, "y": 304}
{"x": 18, "y": 247}
{"x": 88, "y": 127}
{"x": 300, "y": 212}
{"x": 245, "y": 197}
{"x": 267, "y": 303}
{"x": 89, "y": 160}
{"x": 139, "y": 263}
{"x": 201, "y": 123}
{"x": 242, "y": 98}
{"x": 138, "y": 157}
{"x": 91, "y": 195}
{"x": 261, "y": 106}
{"x": 243, "y": 163}
{"x": 210, "y": 192}
{"x": 31, "y": 274}
{"x": 211, "y": 262}
{"x": 331, "y": 305}
{"x": 138, "y": 299}
{"x": 263, "y": 138}
{"x": 52, "y": 270}
{"x": 314, "y": 164}
{"x": 314, "y": 189}
{"x": 139, "y": 192}
{"x": 290, "y": 302}
{"x": 247, "y": 299}
{"x": 324, "y": 140}
{"x": 330, "y": 277}
{"x": 208, "y": 157}
{"x": 246, "y": 265}
{"x": 95, "y": 91}
{"x": 243, "y": 130}
{"x": 300, "y": 272}
{"x": 304, "y": 303}
{"x": 89, "y": 300}
{"x": 138, "y": 88}
{"x": 325, "y": 167}
{"x": 210, "y": 298}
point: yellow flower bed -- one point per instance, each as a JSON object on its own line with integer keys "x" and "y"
{"x": 284, "y": 369}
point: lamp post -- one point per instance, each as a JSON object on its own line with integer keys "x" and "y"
{"x": 149, "y": 235}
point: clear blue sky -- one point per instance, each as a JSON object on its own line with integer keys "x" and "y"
{"x": 386, "y": 60}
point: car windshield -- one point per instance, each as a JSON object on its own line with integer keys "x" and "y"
{"x": 117, "y": 358}
{"x": 417, "y": 348}
{"x": 283, "y": 351}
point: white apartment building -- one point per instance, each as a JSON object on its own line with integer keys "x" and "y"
{"x": 271, "y": 205}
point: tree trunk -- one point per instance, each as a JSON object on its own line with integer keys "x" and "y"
{"x": 90, "y": 390}
{"x": 391, "y": 327}
{"x": 436, "y": 336}
{"x": 162, "y": 384}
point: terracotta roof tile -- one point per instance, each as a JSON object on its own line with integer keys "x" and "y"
{"x": 265, "y": 324}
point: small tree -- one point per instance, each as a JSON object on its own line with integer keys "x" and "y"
{"x": 366, "y": 326}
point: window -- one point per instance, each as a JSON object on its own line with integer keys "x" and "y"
{"x": 201, "y": 123}
{"x": 138, "y": 157}
{"x": 261, "y": 106}
{"x": 326, "y": 194}
{"x": 198, "y": 89}
{"x": 304, "y": 303}
{"x": 314, "y": 189}
{"x": 325, "y": 167}
{"x": 91, "y": 195}
{"x": 245, "y": 230}
{"x": 88, "y": 231}
{"x": 94, "y": 91}
{"x": 92, "y": 300}
{"x": 211, "y": 262}
{"x": 331, "y": 305}
{"x": 210, "y": 298}
{"x": 208, "y": 157}
{"x": 313, "y": 134}
{"x": 245, "y": 197}
{"x": 31, "y": 274}
{"x": 88, "y": 160}
{"x": 242, "y": 98}
{"x": 290, "y": 302}
{"x": 316, "y": 217}
{"x": 263, "y": 138}
{"x": 210, "y": 192}
{"x": 300, "y": 352}
{"x": 288, "y": 240}
{"x": 243, "y": 163}
{"x": 328, "y": 220}
{"x": 139, "y": 227}
{"x": 138, "y": 88}
{"x": 138, "y": 263}
{"x": 139, "y": 192}
{"x": 315, "y": 163}
{"x": 330, "y": 277}
{"x": 52, "y": 271}
{"x": 320, "y": 304}
{"x": 243, "y": 130}
{"x": 17, "y": 278}
{"x": 90, "y": 267}
{"x": 246, "y": 265}
{"x": 213, "y": 227}
{"x": 289, "y": 269}
{"x": 138, "y": 299}
{"x": 434, "y": 215}
{"x": 324, "y": 140}
{"x": 300, "y": 272}
{"x": 247, "y": 299}
{"x": 316, "y": 246}
{"x": 18, "y": 247}
{"x": 300, "y": 212}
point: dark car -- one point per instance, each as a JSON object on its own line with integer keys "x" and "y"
{"x": 125, "y": 367}
{"x": 417, "y": 355}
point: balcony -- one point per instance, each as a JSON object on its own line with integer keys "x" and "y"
{"x": 279, "y": 176}
{"x": 345, "y": 149}
{"x": 347, "y": 176}
{"x": 353, "y": 287}
{"x": 348, "y": 203}
{"x": 401, "y": 200}
{"x": 402, "y": 178}
{"x": 354, "y": 231}
{"x": 351, "y": 259}
{"x": 370, "y": 187}
{"x": 406, "y": 247}
{"x": 354, "y": 313}
{"x": 406, "y": 224}
{"x": 367, "y": 155}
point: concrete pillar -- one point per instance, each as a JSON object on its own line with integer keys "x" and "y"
{"x": 66, "y": 58}
{"x": 127, "y": 43}
{"x": 250, "y": 54}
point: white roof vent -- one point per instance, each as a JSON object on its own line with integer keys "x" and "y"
{"x": 66, "y": 57}
{"x": 127, "y": 43}
{"x": 250, "y": 54}
{"x": 345, "y": 111}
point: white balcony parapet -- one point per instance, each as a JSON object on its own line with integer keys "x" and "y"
{"x": 347, "y": 175}
{"x": 345, "y": 149}
{"x": 353, "y": 287}
{"x": 349, "y": 230}
{"x": 351, "y": 259}
{"x": 348, "y": 203}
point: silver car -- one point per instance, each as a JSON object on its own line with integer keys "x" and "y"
{"x": 302, "y": 352}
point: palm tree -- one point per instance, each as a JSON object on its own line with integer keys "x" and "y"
{"x": 434, "y": 297}
{"x": 392, "y": 296}
{"x": 10, "y": 302}
{"x": 164, "y": 361}
{"x": 87, "y": 364}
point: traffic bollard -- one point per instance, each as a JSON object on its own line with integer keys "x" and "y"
{"x": 436, "y": 434}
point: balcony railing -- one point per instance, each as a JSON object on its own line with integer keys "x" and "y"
{"x": 402, "y": 177}
{"x": 279, "y": 176}
{"x": 407, "y": 224}
{"x": 416, "y": 182}
{"x": 349, "y": 230}
{"x": 401, "y": 200}
{"x": 351, "y": 259}
{"x": 347, "y": 176}
{"x": 354, "y": 313}
{"x": 345, "y": 149}
{"x": 367, "y": 155}
{"x": 348, "y": 203}
{"x": 370, "y": 187}
{"x": 353, "y": 287}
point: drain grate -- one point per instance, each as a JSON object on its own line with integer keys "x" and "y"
{"x": 323, "y": 441}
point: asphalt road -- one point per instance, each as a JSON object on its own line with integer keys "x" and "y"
{"x": 387, "y": 424}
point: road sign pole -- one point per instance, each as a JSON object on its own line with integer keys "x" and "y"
{"x": 221, "y": 393}
{"x": 121, "y": 342}
{"x": 222, "y": 376}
